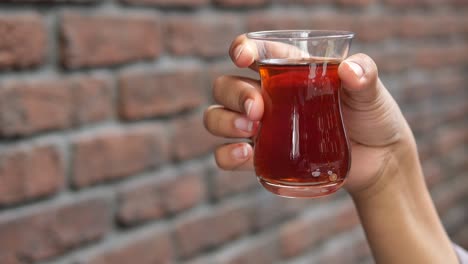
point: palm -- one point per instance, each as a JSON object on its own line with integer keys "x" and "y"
{"x": 372, "y": 129}
{"x": 365, "y": 165}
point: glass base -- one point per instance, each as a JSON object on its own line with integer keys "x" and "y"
{"x": 301, "y": 191}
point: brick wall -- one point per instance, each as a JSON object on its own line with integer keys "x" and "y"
{"x": 104, "y": 159}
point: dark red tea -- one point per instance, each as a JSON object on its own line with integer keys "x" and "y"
{"x": 302, "y": 141}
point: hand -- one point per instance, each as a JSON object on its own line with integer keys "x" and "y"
{"x": 380, "y": 137}
{"x": 385, "y": 179}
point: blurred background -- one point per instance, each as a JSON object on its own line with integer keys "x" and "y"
{"x": 104, "y": 158}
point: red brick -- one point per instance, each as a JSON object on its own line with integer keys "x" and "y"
{"x": 154, "y": 199}
{"x": 208, "y": 229}
{"x": 184, "y": 191}
{"x": 92, "y": 99}
{"x": 345, "y": 250}
{"x": 458, "y": 3}
{"x": 193, "y": 234}
{"x": 361, "y": 3}
{"x": 448, "y": 139}
{"x": 260, "y": 250}
{"x": 34, "y": 106}
{"x": 462, "y": 27}
{"x": 29, "y": 173}
{"x": 140, "y": 203}
{"x": 119, "y": 154}
{"x": 305, "y": 2}
{"x": 153, "y": 247}
{"x": 455, "y": 112}
{"x": 230, "y": 182}
{"x": 23, "y": 41}
{"x": 207, "y": 259}
{"x": 415, "y": 92}
{"x": 391, "y": 61}
{"x": 432, "y": 172}
{"x": 407, "y": 3}
{"x": 271, "y": 209}
{"x": 426, "y": 25}
{"x": 241, "y": 3}
{"x": 270, "y": 20}
{"x": 345, "y": 217}
{"x": 374, "y": 28}
{"x": 296, "y": 236}
{"x": 104, "y": 40}
{"x": 454, "y": 218}
{"x": 49, "y": 232}
{"x": 332, "y": 21}
{"x": 447, "y": 195}
{"x": 368, "y": 28}
{"x": 302, "y": 233}
{"x": 152, "y": 94}
{"x": 28, "y": 107}
{"x": 229, "y": 222}
{"x": 206, "y": 36}
{"x": 448, "y": 85}
{"x": 190, "y": 139}
{"x": 455, "y": 160}
{"x": 461, "y": 237}
{"x": 424, "y": 150}
{"x": 169, "y": 3}
{"x": 420, "y": 121}
{"x": 437, "y": 56}
{"x": 53, "y": 1}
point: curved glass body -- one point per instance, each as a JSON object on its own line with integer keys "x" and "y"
{"x": 301, "y": 149}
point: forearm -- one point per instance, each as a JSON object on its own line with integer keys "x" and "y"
{"x": 399, "y": 218}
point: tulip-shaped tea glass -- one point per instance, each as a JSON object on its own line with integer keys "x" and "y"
{"x": 301, "y": 149}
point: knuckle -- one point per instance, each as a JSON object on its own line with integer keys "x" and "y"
{"x": 220, "y": 161}
{"x": 206, "y": 114}
{"x": 217, "y": 124}
{"x": 213, "y": 121}
{"x": 217, "y": 84}
{"x": 244, "y": 94}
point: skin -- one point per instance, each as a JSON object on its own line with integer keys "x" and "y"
{"x": 385, "y": 179}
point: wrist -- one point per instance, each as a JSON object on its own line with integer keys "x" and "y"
{"x": 400, "y": 170}
{"x": 398, "y": 215}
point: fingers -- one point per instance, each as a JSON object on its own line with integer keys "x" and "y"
{"x": 238, "y": 156}
{"x": 239, "y": 94}
{"x": 237, "y": 117}
{"x": 370, "y": 114}
{"x": 359, "y": 76}
{"x": 225, "y": 123}
{"x": 243, "y": 52}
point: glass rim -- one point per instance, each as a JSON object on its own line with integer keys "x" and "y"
{"x": 287, "y": 35}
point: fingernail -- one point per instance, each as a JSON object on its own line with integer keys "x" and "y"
{"x": 356, "y": 68}
{"x": 238, "y": 51}
{"x": 244, "y": 124}
{"x": 248, "y": 105}
{"x": 240, "y": 152}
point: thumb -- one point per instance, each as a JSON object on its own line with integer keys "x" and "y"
{"x": 370, "y": 114}
{"x": 243, "y": 52}
{"x": 359, "y": 77}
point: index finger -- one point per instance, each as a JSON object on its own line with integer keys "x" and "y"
{"x": 244, "y": 51}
